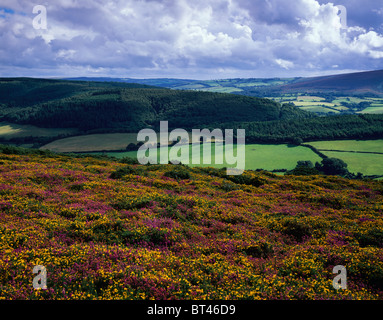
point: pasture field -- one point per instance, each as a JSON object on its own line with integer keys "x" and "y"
{"x": 310, "y": 98}
{"x": 319, "y": 104}
{"x": 11, "y": 130}
{"x": 350, "y": 145}
{"x": 319, "y": 109}
{"x": 314, "y": 103}
{"x": 375, "y": 108}
{"x": 368, "y": 164}
{"x": 258, "y": 156}
{"x": 92, "y": 142}
{"x": 222, "y": 89}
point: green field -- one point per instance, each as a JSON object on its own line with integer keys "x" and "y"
{"x": 368, "y": 164}
{"x": 96, "y": 142}
{"x": 11, "y": 130}
{"x": 313, "y": 103}
{"x": 221, "y": 90}
{"x": 375, "y": 108}
{"x": 92, "y": 142}
{"x": 350, "y": 145}
{"x": 271, "y": 157}
{"x": 258, "y": 156}
{"x": 319, "y": 104}
{"x": 310, "y": 98}
{"x": 319, "y": 109}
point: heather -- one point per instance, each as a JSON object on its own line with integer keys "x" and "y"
{"x": 110, "y": 230}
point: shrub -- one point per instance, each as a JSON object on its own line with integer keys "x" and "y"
{"x": 373, "y": 237}
{"x": 178, "y": 174}
{"x": 332, "y": 166}
{"x": 296, "y": 229}
{"x": 120, "y": 172}
{"x": 129, "y": 160}
{"x": 260, "y": 250}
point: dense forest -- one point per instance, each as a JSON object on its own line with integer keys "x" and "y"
{"x": 366, "y": 126}
{"x": 100, "y": 106}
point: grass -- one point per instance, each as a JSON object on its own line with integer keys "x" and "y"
{"x": 350, "y": 145}
{"x": 258, "y": 156}
{"x": 311, "y": 98}
{"x": 375, "y": 108}
{"x": 318, "y": 109}
{"x": 11, "y": 130}
{"x": 271, "y": 157}
{"x": 92, "y": 142}
{"x": 95, "y": 142}
{"x": 368, "y": 164}
{"x": 318, "y": 105}
{"x": 222, "y": 89}
{"x": 281, "y": 156}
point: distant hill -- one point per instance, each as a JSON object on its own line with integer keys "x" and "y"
{"x": 238, "y": 85}
{"x": 360, "y": 82}
{"x": 109, "y": 106}
{"x": 363, "y": 83}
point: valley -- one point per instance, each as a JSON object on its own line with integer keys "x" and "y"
{"x": 103, "y": 115}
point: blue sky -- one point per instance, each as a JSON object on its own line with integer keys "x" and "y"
{"x": 199, "y": 39}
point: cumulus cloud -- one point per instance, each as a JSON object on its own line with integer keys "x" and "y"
{"x": 194, "y": 39}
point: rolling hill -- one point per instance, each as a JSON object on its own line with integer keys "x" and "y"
{"x": 107, "y": 106}
{"x": 353, "y": 83}
{"x": 370, "y": 82}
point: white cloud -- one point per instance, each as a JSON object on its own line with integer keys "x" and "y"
{"x": 206, "y": 37}
{"x": 284, "y": 63}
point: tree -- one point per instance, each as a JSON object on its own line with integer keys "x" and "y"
{"x": 333, "y": 166}
{"x": 305, "y": 164}
{"x": 303, "y": 168}
{"x": 297, "y": 141}
{"x": 131, "y": 147}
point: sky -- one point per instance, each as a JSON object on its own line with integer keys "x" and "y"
{"x": 194, "y": 39}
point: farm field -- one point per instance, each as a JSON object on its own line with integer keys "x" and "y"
{"x": 368, "y": 164}
{"x": 319, "y": 109}
{"x": 106, "y": 230}
{"x": 85, "y": 143}
{"x": 11, "y": 130}
{"x": 350, "y": 145}
{"x": 258, "y": 156}
{"x": 375, "y": 108}
{"x": 318, "y": 104}
{"x": 313, "y": 103}
{"x": 94, "y": 142}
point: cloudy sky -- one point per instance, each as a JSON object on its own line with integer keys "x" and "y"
{"x": 199, "y": 39}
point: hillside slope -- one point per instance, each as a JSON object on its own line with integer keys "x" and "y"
{"x": 370, "y": 82}
{"x": 353, "y": 83}
{"x": 98, "y": 105}
{"x": 105, "y": 230}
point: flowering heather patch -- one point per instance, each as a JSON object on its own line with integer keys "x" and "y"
{"x": 172, "y": 232}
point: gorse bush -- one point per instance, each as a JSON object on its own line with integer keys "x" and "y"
{"x": 174, "y": 232}
{"x": 129, "y": 160}
{"x": 178, "y": 174}
{"x": 121, "y": 172}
